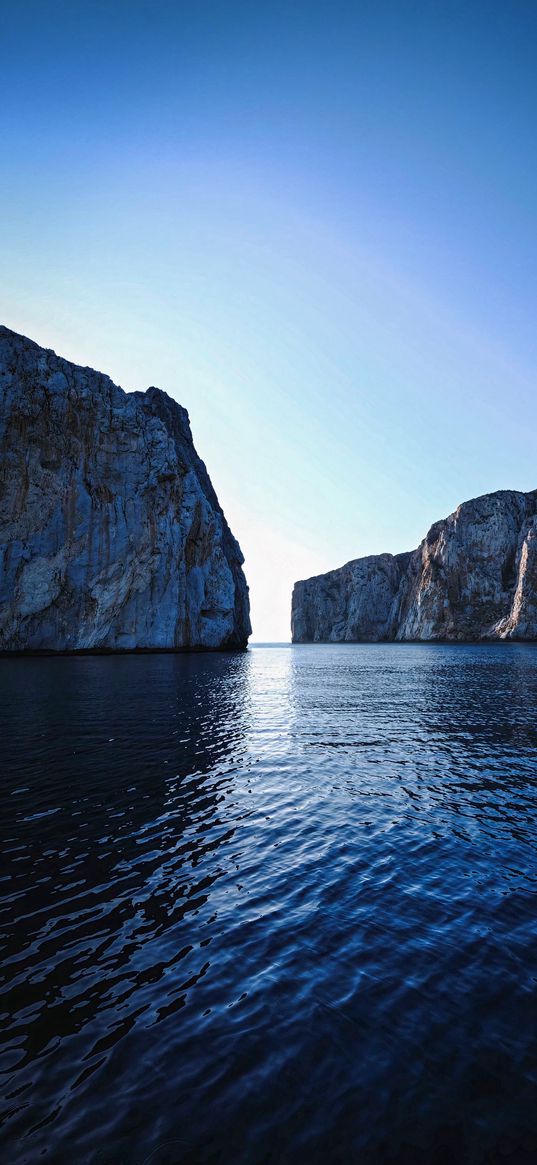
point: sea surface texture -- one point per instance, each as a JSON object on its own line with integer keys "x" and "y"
{"x": 278, "y": 906}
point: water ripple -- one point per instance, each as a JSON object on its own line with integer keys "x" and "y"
{"x": 273, "y": 907}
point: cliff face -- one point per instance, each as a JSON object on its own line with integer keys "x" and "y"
{"x": 111, "y": 535}
{"x": 473, "y": 577}
{"x": 354, "y": 603}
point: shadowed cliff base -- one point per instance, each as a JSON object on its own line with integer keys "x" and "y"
{"x": 111, "y": 534}
{"x": 473, "y": 578}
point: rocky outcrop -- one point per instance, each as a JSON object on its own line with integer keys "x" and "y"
{"x": 351, "y": 604}
{"x": 473, "y": 577}
{"x": 111, "y": 534}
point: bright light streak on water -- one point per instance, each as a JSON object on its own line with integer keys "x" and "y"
{"x": 272, "y": 907}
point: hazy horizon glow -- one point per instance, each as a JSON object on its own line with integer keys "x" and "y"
{"x": 313, "y": 227}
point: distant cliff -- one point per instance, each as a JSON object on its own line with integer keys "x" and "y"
{"x": 111, "y": 534}
{"x": 473, "y": 577}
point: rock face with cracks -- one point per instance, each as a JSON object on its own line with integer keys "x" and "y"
{"x": 111, "y": 534}
{"x": 474, "y": 577}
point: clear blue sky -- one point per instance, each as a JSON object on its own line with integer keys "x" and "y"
{"x": 312, "y": 223}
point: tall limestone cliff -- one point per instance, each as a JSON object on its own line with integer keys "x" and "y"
{"x": 111, "y": 534}
{"x": 473, "y": 577}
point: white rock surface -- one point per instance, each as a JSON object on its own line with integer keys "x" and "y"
{"x": 111, "y": 535}
{"x": 473, "y": 577}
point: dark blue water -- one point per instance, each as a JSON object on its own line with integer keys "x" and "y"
{"x": 273, "y": 907}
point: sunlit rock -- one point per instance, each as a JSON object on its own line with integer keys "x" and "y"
{"x": 473, "y": 577}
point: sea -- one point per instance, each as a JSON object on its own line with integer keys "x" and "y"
{"x": 275, "y": 907}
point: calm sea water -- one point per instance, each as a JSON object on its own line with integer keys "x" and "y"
{"x": 273, "y": 907}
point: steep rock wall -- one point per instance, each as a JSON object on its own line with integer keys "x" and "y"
{"x": 111, "y": 535}
{"x": 354, "y": 603}
{"x": 473, "y": 577}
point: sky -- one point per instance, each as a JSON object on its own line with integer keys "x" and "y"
{"x": 313, "y": 224}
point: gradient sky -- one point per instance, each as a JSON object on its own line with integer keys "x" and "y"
{"x": 314, "y": 224}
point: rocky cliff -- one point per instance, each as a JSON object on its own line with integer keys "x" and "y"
{"x": 111, "y": 535}
{"x": 473, "y": 577}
